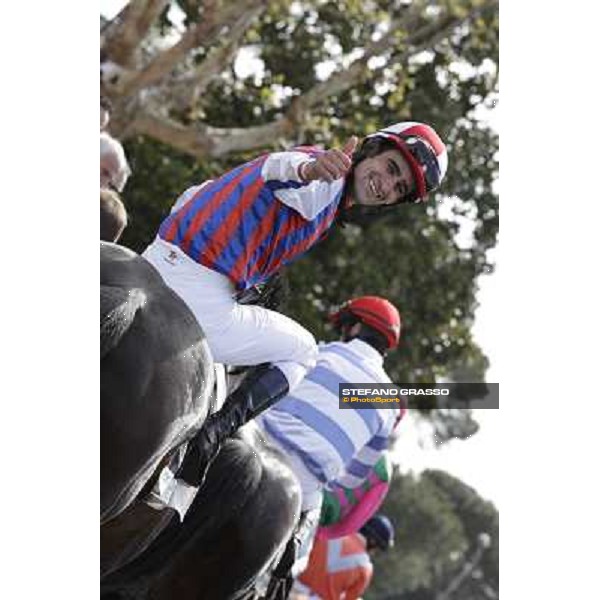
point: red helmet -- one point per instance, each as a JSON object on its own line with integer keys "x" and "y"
{"x": 378, "y": 313}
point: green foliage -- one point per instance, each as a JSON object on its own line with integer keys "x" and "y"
{"x": 438, "y": 521}
{"x": 477, "y": 516}
{"x": 159, "y": 176}
{"x": 412, "y": 256}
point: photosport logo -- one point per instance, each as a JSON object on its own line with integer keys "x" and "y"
{"x": 419, "y": 395}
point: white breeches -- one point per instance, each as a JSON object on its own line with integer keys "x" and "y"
{"x": 237, "y": 334}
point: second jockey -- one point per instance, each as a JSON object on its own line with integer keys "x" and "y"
{"x": 322, "y": 442}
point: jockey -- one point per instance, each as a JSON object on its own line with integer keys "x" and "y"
{"x": 238, "y": 230}
{"x": 341, "y": 567}
{"x": 325, "y": 444}
{"x": 322, "y": 442}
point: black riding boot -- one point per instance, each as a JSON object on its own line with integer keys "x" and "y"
{"x": 262, "y": 388}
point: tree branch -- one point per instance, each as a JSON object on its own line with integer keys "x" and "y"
{"x": 188, "y": 88}
{"x": 343, "y": 79}
{"x": 205, "y": 33}
{"x": 468, "y": 567}
{"x": 202, "y": 141}
{"x": 426, "y": 37}
{"x": 432, "y": 33}
{"x": 127, "y": 30}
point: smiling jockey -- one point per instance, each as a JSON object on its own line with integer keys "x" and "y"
{"x": 236, "y": 231}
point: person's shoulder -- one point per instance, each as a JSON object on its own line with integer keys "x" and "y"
{"x": 357, "y": 539}
{"x": 338, "y": 349}
{"x": 328, "y": 345}
{"x": 386, "y": 376}
{"x": 365, "y": 352}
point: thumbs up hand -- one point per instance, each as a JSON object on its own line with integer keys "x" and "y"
{"x": 331, "y": 165}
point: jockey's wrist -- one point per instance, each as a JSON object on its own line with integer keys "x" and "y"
{"x": 303, "y": 171}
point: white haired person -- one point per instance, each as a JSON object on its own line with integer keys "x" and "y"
{"x": 239, "y": 229}
{"x": 114, "y": 168}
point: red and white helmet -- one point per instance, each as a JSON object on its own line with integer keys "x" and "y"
{"x": 378, "y": 313}
{"x": 424, "y": 151}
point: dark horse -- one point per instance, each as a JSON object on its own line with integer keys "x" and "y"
{"x": 157, "y": 378}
